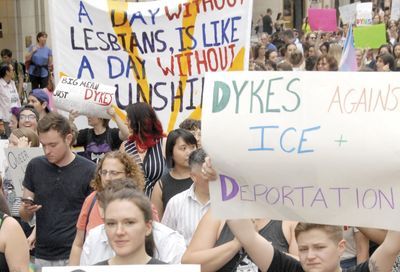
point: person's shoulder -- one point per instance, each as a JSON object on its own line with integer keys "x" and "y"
{"x": 83, "y": 161}
{"x": 180, "y": 197}
{"x": 39, "y": 160}
{"x": 155, "y": 261}
{"x": 105, "y": 262}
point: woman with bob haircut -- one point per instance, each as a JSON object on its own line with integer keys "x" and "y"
{"x": 180, "y": 143}
{"x": 145, "y": 142}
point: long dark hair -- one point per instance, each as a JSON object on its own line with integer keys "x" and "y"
{"x": 173, "y": 136}
{"x": 146, "y": 127}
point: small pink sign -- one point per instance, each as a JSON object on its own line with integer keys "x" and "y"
{"x": 322, "y": 19}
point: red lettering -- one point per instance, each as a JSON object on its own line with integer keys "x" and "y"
{"x": 88, "y": 94}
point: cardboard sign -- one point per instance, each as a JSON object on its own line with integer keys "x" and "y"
{"x": 155, "y": 51}
{"x": 305, "y": 146}
{"x": 126, "y": 268}
{"x": 372, "y": 36}
{"x": 364, "y": 14}
{"x": 395, "y": 11}
{"x": 87, "y": 97}
{"x": 348, "y": 13}
{"x": 17, "y": 160}
{"x": 322, "y": 19}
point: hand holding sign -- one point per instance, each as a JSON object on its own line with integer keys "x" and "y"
{"x": 91, "y": 98}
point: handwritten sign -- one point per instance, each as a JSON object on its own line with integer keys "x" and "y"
{"x": 3, "y": 161}
{"x": 305, "y": 146}
{"x": 89, "y": 98}
{"x": 322, "y": 19}
{"x": 17, "y": 160}
{"x": 126, "y": 268}
{"x": 364, "y": 13}
{"x": 348, "y": 13}
{"x": 395, "y": 10}
{"x": 155, "y": 51}
{"x": 372, "y": 36}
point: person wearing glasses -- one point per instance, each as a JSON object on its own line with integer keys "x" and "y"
{"x": 114, "y": 165}
{"x": 28, "y": 118}
{"x": 8, "y": 95}
{"x": 55, "y": 187}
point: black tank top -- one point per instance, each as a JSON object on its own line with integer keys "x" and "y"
{"x": 3, "y": 261}
{"x": 171, "y": 186}
{"x": 271, "y": 231}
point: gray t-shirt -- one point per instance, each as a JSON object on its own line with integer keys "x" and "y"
{"x": 61, "y": 191}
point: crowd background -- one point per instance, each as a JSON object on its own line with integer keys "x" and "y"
{"x": 113, "y": 201}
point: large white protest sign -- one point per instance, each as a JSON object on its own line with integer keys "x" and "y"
{"x": 348, "y": 13}
{"x": 395, "y": 10}
{"x": 3, "y": 161}
{"x": 126, "y": 268}
{"x": 305, "y": 146}
{"x": 364, "y": 13}
{"x": 87, "y": 97}
{"x": 155, "y": 51}
{"x": 17, "y": 160}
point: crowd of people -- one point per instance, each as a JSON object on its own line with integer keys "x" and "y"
{"x": 280, "y": 48}
{"x": 135, "y": 195}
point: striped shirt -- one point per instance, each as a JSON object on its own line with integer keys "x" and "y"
{"x": 152, "y": 165}
{"x": 184, "y": 212}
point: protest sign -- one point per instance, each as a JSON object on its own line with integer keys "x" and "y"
{"x": 155, "y": 51}
{"x": 3, "y": 161}
{"x": 364, "y": 13}
{"x": 17, "y": 160}
{"x": 322, "y": 19}
{"x": 348, "y": 13}
{"x": 305, "y": 146}
{"x": 395, "y": 10}
{"x": 87, "y": 97}
{"x": 126, "y": 268}
{"x": 372, "y": 36}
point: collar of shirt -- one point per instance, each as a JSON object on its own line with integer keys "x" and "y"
{"x": 192, "y": 195}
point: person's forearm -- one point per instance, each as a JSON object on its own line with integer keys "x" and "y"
{"x": 214, "y": 258}
{"x": 75, "y": 255}
{"x": 25, "y": 215}
{"x": 123, "y": 128}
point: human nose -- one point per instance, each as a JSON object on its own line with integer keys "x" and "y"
{"x": 310, "y": 254}
{"x": 120, "y": 229}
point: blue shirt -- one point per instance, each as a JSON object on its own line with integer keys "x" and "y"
{"x": 40, "y": 61}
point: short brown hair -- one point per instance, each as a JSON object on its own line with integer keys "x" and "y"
{"x": 54, "y": 121}
{"x": 335, "y": 233}
{"x": 132, "y": 170}
{"x": 28, "y": 133}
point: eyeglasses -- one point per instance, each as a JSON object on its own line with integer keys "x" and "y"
{"x": 29, "y": 117}
{"x": 111, "y": 173}
{"x": 312, "y": 37}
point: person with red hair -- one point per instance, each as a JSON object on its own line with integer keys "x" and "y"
{"x": 145, "y": 142}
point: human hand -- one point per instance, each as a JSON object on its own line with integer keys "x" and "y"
{"x": 23, "y": 142}
{"x": 208, "y": 170}
{"x": 29, "y": 207}
{"x": 72, "y": 115}
{"x": 111, "y": 112}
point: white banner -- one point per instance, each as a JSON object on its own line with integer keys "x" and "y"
{"x": 3, "y": 161}
{"x": 17, "y": 160}
{"x": 364, "y": 13}
{"x": 305, "y": 146}
{"x": 126, "y": 268}
{"x": 348, "y": 13}
{"x": 154, "y": 51}
{"x": 395, "y": 12}
{"x": 88, "y": 97}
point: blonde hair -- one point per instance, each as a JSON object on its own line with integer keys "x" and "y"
{"x": 335, "y": 233}
{"x": 33, "y": 138}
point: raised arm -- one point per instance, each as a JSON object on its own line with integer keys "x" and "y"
{"x": 385, "y": 255}
{"x": 201, "y": 249}
{"x": 259, "y": 249}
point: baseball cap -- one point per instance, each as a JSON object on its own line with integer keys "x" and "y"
{"x": 41, "y": 96}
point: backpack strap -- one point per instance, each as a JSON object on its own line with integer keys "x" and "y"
{"x": 3, "y": 217}
{"x": 89, "y": 212}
